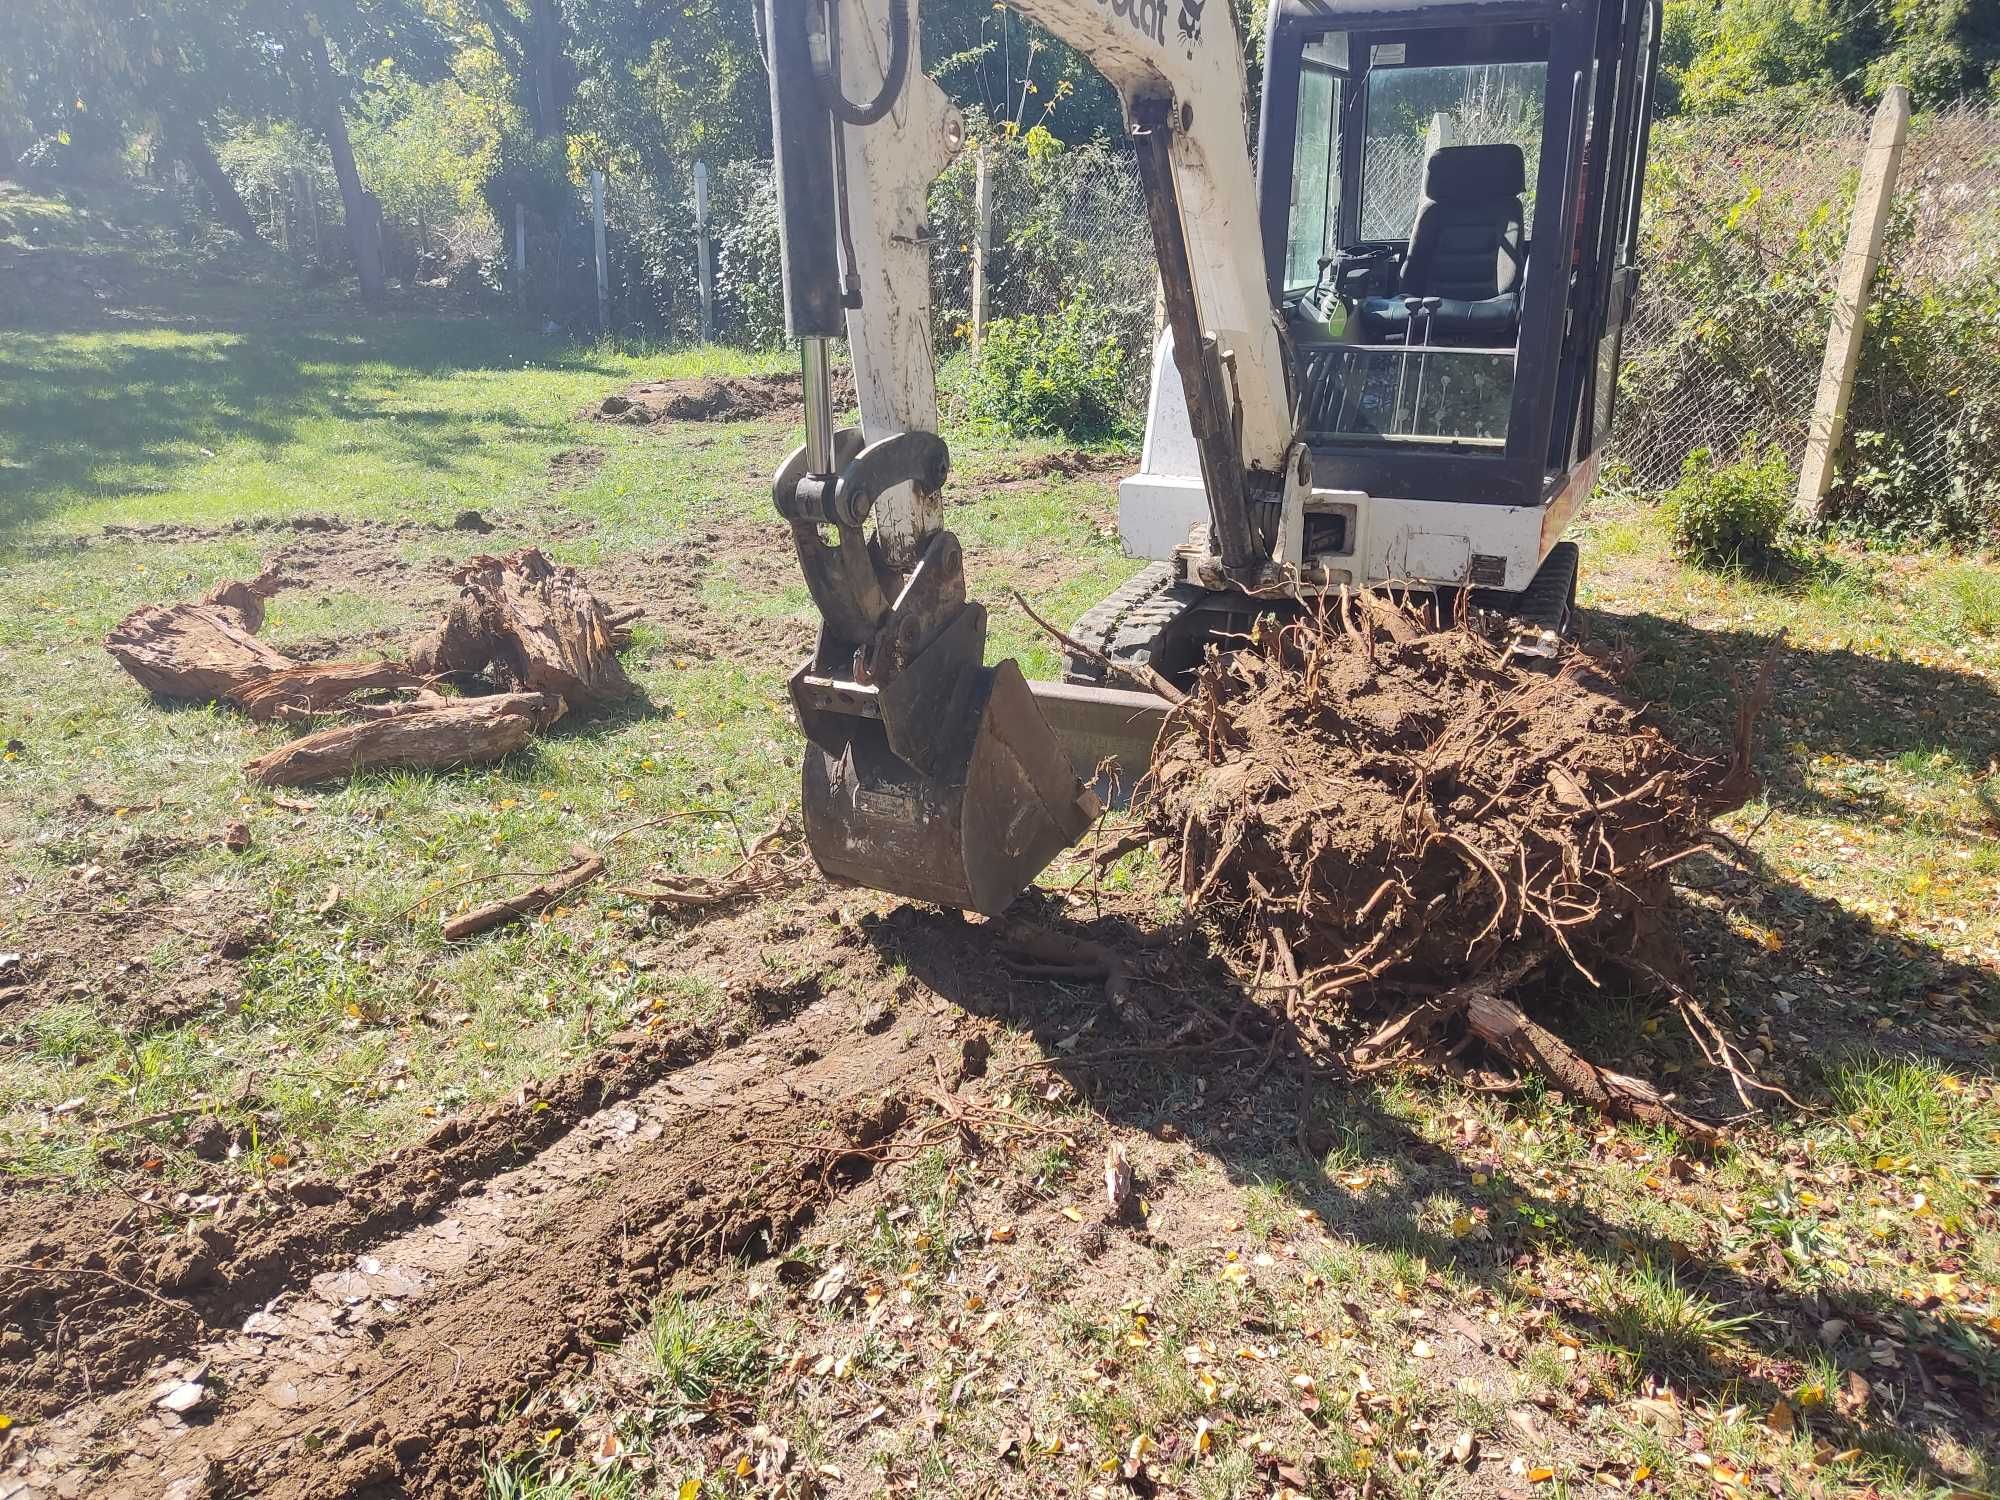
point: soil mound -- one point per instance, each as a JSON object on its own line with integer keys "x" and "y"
{"x": 720, "y": 398}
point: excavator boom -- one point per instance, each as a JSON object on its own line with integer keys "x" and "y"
{"x": 928, "y": 772}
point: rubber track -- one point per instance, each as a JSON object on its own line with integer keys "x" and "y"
{"x": 1126, "y": 623}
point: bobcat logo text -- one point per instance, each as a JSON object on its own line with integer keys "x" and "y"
{"x": 1148, "y": 17}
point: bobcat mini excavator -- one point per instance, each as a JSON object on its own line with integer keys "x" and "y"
{"x": 1390, "y": 356}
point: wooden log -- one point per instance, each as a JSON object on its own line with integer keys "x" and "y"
{"x": 534, "y": 625}
{"x": 317, "y": 687}
{"x": 464, "y": 732}
{"x": 589, "y": 865}
{"x": 192, "y": 651}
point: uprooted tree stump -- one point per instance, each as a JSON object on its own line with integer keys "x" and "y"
{"x": 533, "y": 626}
{"x": 1392, "y": 818}
{"x": 539, "y": 636}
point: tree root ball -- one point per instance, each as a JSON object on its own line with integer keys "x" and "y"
{"x": 1377, "y": 809}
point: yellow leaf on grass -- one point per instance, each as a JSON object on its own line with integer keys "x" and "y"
{"x": 1235, "y": 1274}
{"x": 1141, "y": 1446}
{"x": 1072, "y": 1215}
{"x": 1204, "y": 1436}
{"x": 1540, "y": 1476}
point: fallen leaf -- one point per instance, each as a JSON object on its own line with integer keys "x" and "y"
{"x": 1541, "y": 1476}
{"x": 1462, "y": 1447}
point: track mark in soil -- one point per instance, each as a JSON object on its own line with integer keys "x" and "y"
{"x": 723, "y": 398}
{"x": 377, "y": 1374}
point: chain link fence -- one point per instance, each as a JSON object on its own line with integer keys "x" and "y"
{"x": 1745, "y": 224}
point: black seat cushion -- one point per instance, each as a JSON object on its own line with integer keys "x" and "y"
{"x": 1465, "y": 247}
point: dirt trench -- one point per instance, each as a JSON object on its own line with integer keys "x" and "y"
{"x": 375, "y": 1344}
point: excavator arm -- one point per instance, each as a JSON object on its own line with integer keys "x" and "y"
{"x": 929, "y": 773}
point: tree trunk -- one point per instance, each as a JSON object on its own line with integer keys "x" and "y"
{"x": 545, "y": 64}
{"x": 355, "y": 201}
{"x": 185, "y": 138}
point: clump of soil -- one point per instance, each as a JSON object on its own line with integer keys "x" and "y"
{"x": 719, "y": 398}
{"x": 1386, "y": 811}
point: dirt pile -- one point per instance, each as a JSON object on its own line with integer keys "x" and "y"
{"x": 1397, "y": 817}
{"x": 720, "y": 398}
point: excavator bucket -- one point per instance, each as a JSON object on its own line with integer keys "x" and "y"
{"x": 967, "y": 814}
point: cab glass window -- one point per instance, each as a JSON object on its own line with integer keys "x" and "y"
{"x": 1412, "y": 111}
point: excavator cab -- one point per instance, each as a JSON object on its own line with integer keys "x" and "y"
{"x": 1450, "y": 207}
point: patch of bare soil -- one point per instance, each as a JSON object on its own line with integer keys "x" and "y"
{"x": 370, "y": 1337}
{"x": 573, "y": 466}
{"x": 1068, "y": 463}
{"x": 713, "y": 398}
{"x": 755, "y": 559}
{"x": 88, "y": 930}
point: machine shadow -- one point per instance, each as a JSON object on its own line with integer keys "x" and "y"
{"x": 1946, "y": 1383}
{"x": 1824, "y": 701}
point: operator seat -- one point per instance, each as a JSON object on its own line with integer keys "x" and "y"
{"x": 1466, "y": 251}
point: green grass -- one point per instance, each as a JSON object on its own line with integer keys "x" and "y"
{"x": 695, "y": 1353}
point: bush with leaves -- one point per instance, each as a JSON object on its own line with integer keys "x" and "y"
{"x": 748, "y": 279}
{"x": 1731, "y": 515}
{"x": 1060, "y": 374}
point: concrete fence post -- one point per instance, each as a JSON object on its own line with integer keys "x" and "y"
{"x": 603, "y": 263}
{"x": 1850, "y": 305}
{"x": 521, "y": 253}
{"x": 704, "y": 255}
{"x": 982, "y": 241}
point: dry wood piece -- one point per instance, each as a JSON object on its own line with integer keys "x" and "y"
{"x": 246, "y": 597}
{"x": 462, "y": 732}
{"x": 534, "y": 626}
{"x": 193, "y": 651}
{"x": 777, "y": 859}
{"x": 587, "y": 867}
{"x": 317, "y": 687}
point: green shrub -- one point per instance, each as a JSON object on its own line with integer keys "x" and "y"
{"x": 1730, "y": 515}
{"x": 1063, "y": 374}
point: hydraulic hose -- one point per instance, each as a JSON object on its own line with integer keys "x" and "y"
{"x": 826, "y": 71}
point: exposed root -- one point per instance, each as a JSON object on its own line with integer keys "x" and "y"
{"x": 776, "y": 860}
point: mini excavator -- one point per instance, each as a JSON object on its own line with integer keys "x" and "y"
{"x": 1390, "y": 357}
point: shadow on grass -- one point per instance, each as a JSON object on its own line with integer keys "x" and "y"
{"x": 1824, "y": 702}
{"x": 1672, "y": 1307}
{"x": 89, "y": 413}
{"x": 1836, "y": 1004}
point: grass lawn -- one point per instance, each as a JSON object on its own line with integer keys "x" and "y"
{"x": 1466, "y": 1293}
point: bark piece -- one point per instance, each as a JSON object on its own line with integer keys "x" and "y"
{"x": 534, "y": 625}
{"x": 464, "y": 732}
{"x": 196, "y": 651}
{"x": 589, "y": 865}
{"x": 316, "y": 687}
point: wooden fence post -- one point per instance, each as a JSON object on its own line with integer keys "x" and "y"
{"x": 1850, "y": 306}
{"x": 704, "y": 258}
{"x": 982, "y": 240}
{"x": 603, "y": 265}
